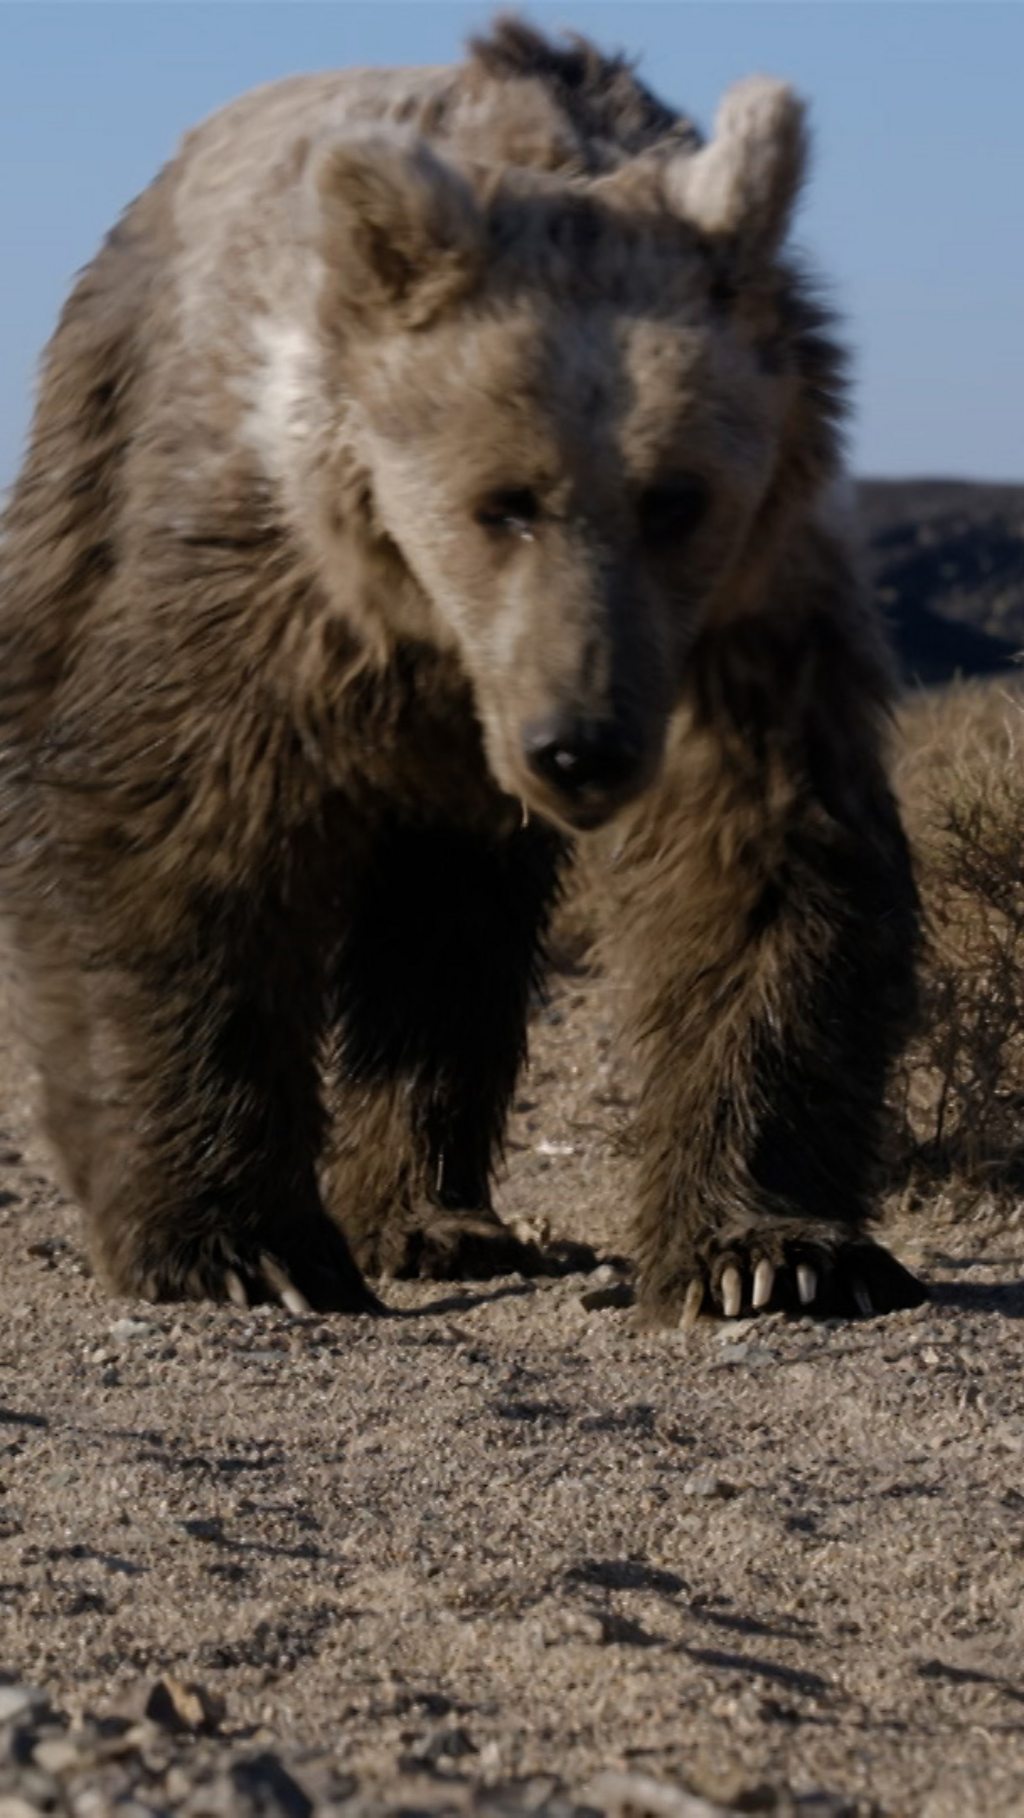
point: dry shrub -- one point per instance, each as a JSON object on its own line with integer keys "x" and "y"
{"x": 959, "y": 1092}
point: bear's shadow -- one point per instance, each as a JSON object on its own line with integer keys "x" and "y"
{"x": 1003, "y": 1298}
{"x": 477, "y": 1294}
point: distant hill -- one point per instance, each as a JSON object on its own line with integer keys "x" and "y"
{"x": 947, "y": 558}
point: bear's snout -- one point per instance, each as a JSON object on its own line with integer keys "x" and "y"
{"x": 592, "y": 766}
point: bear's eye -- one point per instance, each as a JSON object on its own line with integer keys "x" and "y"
{"x": 669, "y": 514}
{"x": 513, "y": 511}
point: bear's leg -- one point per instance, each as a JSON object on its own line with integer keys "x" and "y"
{"x": 434, "y": 983}
{"x": 207, "y": 1120}
{"x": 50, "y": 1016}
{"x": 771, "y": 923}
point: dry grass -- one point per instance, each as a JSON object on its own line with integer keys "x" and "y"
{"x": 959, "y": 1092}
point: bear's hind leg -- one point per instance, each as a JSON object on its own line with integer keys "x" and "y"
{"x": 433, "y": 992}
{"x": 381, "y": 1182}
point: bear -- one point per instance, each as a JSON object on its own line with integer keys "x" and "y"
{"x": 436, "y": 484}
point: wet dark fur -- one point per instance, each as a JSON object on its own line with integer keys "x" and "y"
{"x": 243, "y": 856}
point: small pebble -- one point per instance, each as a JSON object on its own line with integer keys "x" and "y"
{"x": 18, "y": 1701}
{"x": 705, "y": 1483}
{"x": 124, "y": 1330}
{"x": 56, "y": 1754}
{"x": 13, "y": 1807}
{"x": 748, "y": 1354}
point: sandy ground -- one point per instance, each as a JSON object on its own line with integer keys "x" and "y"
{"x": 481, "y": 1554}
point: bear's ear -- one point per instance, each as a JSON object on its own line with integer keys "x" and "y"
{"x": 399, "y": 231}
{"x": 742, "y": 185}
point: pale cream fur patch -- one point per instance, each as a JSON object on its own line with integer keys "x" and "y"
{"x": 281, "y": 395}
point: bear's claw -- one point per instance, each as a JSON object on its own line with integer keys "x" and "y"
{"x": 275, "y": 1278}
{"x": 764, "y": 1281}
{"x": 731, "y": 1290}
{"x": 852, "y": 1278}
{"x": 806, "y": 1283}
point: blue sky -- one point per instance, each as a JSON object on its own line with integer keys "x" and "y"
{"x": 915, "y": 210}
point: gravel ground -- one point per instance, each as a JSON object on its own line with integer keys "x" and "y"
{"x": 502, "y": 1552}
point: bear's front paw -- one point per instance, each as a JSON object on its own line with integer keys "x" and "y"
{"x": 301, "y": 1284}
{"x": 813, "y": 1269}
{"x": 306, "y": 1269}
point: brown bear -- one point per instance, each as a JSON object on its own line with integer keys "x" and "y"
{"x": 436, "y": 474}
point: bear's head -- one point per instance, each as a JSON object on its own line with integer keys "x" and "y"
{"x": 581, "y": 411}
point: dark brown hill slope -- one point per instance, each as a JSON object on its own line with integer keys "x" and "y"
{"x": 948, "y": 564}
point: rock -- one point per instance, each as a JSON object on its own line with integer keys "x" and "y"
{"x": 448, "y": 1745}
{"x": 124, "y": 1330}
{"x": 263, "y": 1788}
{"x": 532, "y": 1230}
{"x": 734, "y": 1331}
{"x": 605, "y": 1274}
{"x": 22, "y": 1701}
{"x": 705, "y": 1483}
{"x": 747, "y": 1354}
{"x": 641, "y": 1796}
{"x": 56, "y": 1754}
{"x": 179, "y": 1706}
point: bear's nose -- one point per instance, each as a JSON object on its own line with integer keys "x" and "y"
{"x": 578, "y": 757}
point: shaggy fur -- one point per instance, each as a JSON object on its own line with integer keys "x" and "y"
{"x": 434, "y": 476}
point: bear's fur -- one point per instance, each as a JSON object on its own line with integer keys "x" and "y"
{"x": 436, "y": 474}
